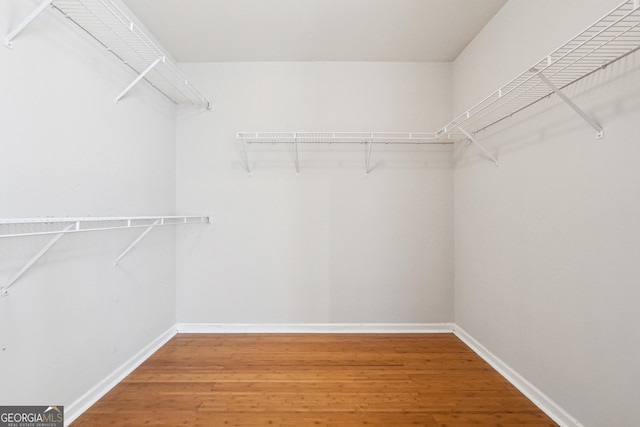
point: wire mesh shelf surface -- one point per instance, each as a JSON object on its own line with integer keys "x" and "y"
{"x": 110, "y": 26}
{"x": 611, "y": 38}
{"x": 346, "y": 137}
{"x": 20, "y": 227}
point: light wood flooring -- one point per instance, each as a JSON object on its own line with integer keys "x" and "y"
{"x": 299, "y": 380}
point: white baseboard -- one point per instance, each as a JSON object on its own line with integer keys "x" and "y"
{"x": 332, "y": 328}
{"x": 73, "y": 411}
{"x": 548, "y": 406}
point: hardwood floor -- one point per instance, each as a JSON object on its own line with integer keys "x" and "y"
{"x": 301, "y": 380}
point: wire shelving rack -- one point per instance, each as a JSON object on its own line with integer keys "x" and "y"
{"x": 58, "y": 227}
{"x": 108, "y": 24}
{"x": 611, "y": 38}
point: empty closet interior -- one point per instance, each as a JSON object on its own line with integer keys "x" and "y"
{"x": 491, "y": 192}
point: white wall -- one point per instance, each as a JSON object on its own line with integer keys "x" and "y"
{"x": 329, "y": 246}
{"x": 68, "y": 150}
{"x": 546, "y": 271}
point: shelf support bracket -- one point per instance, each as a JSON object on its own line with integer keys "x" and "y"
{"x": 135, "y": 242}
{"x": 484, "y": 150}
{"x": 587, "y": 118}
{"x": 367, "y": 160}
{"x": 12, "y": 35}
{"x": 137, "y": 79}
{"x": 5, "y": 289}
{"x": 246, "y": 156}
{"x": 295, "y": 143}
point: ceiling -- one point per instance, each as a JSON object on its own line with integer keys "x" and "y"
{"x": 314, "y": 30}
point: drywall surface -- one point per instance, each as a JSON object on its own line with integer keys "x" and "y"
{"x": 330, "y": 245}
{"x": 68, "y": 150}
{"x": 546, "y": 265}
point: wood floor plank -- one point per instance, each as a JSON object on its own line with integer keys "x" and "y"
{"x": 284, "y": 419}
{"x": 345, "y": 380}
{"x": 507, "y": 419}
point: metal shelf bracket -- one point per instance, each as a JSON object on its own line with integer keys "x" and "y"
{"x": 8, "y": 39}
{"x": 5, "y": 289}
{"x": 140, "y": 77}
{"x": 587, "y": 118}
{"x": 295, "y": 145}
{"x": 246, "y": 157}
{"x": 367, "y": 159}
{"x": 473, "y": 140}
{"x": 135, "y": 242}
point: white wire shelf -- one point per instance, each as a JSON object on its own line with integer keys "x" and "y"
{"x": 110, "y": 26}
{"x": 59, "y": 227}
{"x": 609, "y": 39}
{"x": 345, "y": 137}
{"x": 84, "y": 224}
{"x": 369, "y": 139}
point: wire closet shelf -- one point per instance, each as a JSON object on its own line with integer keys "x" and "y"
{"x": 608, "y": 40}
{"x": 611, "y": 38}
{"x": 111, "y": 27}
{"x": 58, "y": 227}
{"x": 42, "y": 226}
{"x": 345, "y": 137}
